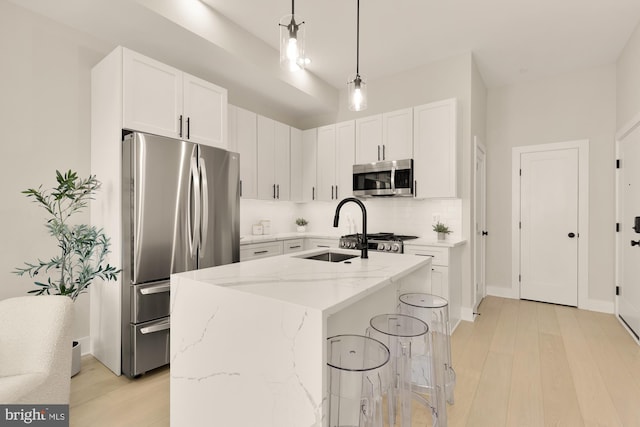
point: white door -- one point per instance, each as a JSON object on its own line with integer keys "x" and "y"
{"x": 282, "y": 163}
{"x": 345, "y": 158}
{"x": 481, "y": 225}
{"x": 266, "y": 158}
{"x": 205, "y": 109}
{"x": 549, "y": 226}
{"x": 369, "y": 139}
{"x": 397, "y": 134}
{"x": 629, "y": 298}
{"x": 246, "y": 140}
{"x": 326, "y": 169}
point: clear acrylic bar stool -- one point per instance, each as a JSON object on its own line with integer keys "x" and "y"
{"x": 358, "y": 380}
{"x": 408, "y": 341}
{"x": 434, "y": 311}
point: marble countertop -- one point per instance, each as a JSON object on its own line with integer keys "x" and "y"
{"x": 261, "y": 238}
{"x": 320, "y": 285}
{"x": 421, "y": 241}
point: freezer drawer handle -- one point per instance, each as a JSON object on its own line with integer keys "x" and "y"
{"x": 155, "y": 289}
{"x": 156, "y": 328}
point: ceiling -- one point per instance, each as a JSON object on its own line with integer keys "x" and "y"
{"x": 511, "y": 40}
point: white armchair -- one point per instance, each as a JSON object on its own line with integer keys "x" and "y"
{"x": 35, "y": 350}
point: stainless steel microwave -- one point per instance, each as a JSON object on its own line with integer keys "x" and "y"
{"x": 388, "y": 178}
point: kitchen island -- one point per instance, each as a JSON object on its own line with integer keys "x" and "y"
{"x": 248, "y": 340}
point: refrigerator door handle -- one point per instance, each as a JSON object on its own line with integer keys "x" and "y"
{"x": 204, "y": 196}
{"x": 162, "y": 326}
{"x": 194, "y": 195}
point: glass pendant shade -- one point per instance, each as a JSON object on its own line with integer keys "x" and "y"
{"x": 357, "y": 93}
{"x": 292, "y": 43}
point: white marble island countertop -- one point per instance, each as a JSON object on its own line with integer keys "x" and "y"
{"x": 248, "y": 340}
{"x": 320, "y": 285}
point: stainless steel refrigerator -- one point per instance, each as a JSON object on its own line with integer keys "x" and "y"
{"x": 180, "y": 206}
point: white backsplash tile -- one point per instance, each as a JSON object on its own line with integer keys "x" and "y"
{"x": 397, "y": 215}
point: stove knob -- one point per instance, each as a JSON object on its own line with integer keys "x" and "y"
{"x": 387, "y": 246}
{"x": 353, "y": 245}
{"x": 395, "y": 247}
{"x": 381, "y": 246}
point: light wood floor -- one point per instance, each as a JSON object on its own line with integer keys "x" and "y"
{"x": 520, "y": 364}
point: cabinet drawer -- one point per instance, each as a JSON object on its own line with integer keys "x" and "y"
{"x": 440, "y": 255}
{"x": 295, "y": 245}
{"x": 320, "y": 243}
{"x": 260, "y": 250}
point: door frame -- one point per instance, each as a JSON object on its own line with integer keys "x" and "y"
{"x": 583, "y": 213}
{"x": 620, "y": 135}
{"x": 479, "y": 147}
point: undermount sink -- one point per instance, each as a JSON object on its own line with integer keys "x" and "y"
{"x": 331, "y": 256}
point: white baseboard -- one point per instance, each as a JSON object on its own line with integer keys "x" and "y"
{"x": 85, "y": 345}
{"x": 466, "y": 313}
{"x": 629, "y": 331}
{"x": 599, "y": 306}
{"x": 503, "y": 292}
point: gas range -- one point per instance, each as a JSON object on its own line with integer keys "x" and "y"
{"x": 382, "y": 242}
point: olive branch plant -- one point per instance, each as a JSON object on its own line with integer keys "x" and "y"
{"x": 82, "y": 248}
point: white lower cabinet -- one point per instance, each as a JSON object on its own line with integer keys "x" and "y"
{"x": 314, "y": 243}
{"x": 260, "y": 250}
{"x": 446, "y": 279}
{"x": 295, "y": 245}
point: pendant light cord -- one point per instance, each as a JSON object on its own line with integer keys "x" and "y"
{"x": 358, "y": 38}
{"x": 293, "y": 11}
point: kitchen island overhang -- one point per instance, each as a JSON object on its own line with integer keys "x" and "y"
{"x": 248, "y": 340}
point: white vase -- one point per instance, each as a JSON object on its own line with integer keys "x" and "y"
{"x": 302, "y": 228}
{"x": 442, "y": 236}
{"x": 76, "y": 353}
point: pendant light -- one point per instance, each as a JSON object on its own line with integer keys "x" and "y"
{"x": 357, "y": 86}
{"x": 291, "y": 42}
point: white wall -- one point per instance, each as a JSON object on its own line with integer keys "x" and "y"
{"x": 580, "y": 105}
{"x": 628, "y": 81}
{"x": 45, "y": 114}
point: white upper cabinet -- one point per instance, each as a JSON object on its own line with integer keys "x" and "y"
{"x": 397, "y": 134}
{"x": 435, "y": 149}
{"x": 243, "y": 139}
{"x": 296, "y": 173}
{"x": 336, "y": 154}
{"x": 345, "y": 158}
{"x": 165, "y": 101}
{"x": 309, "y": 164}
{"x": 387, "y": 136}
{"x": 273, "y": 160}
{"x": 368, "y": 132}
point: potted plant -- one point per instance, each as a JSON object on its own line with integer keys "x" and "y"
{"x": 82, "y": 249}
{"x": 302, "y": 224}
{"x": 442, "y": 230}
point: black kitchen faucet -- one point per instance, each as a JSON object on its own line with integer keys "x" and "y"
{"x": 364, "y": 244}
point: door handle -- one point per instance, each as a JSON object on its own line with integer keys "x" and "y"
{"x": 484, "y": 233}
{"x": 635, "y": 243}
{"x": 571, "y": 235}
{"x": 180, "y": 132}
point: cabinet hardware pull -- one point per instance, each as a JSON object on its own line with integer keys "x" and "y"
{"x": 274, "y": 191}
{"x": 294, "y": 247}
{"x": 415, "y": 188}
{"x": 260, "y": 252}
{"x": 180, "y": 121}
{"x": 337, "y": 193}
{"x": 384, "y": 156}
{"x": 378, "y": 153}
{"x": 313, "y": 193}
{"x": 278, "y": 188}
{"x": 188, "y": 128}
{"x": 332, "y": 192}
{"x": 635, "y": 243}
{"x": 240, "y": 188}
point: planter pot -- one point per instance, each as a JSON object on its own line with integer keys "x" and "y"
{"x": 302, "y": 228}
{"x": 75, "y": 358}
{"x": 442, "y": 236}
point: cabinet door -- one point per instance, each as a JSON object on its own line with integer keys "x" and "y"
{"x": 345, "y": 158}
{"x": 205, "y": 109}
{"x": 152, "y": 96}
{"x": 295, "y": 245}
{"x": 397, "y": 134}
{"x": 282, "y": 162}
{"x": 296, "y": 174}
{"x": 326, "y": 162}
{"x": 309, "y": 166}
{"x": 369, "y": 139}
{"x": 435, "y": 148}
{"x": 232, "y": 126}
{"x": 440, "y": 281}
{"x": 266, "y": 158}
{"x": 246, "y": 137}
